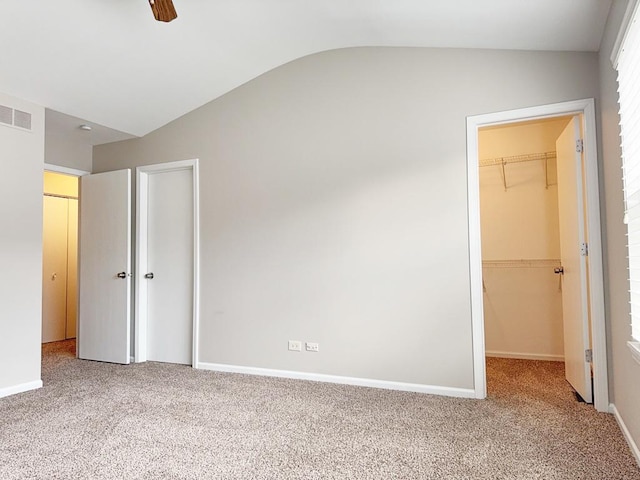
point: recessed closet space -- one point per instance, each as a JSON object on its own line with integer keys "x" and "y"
{"x": 59, "y": 262}
{"x": 521, "y": 239}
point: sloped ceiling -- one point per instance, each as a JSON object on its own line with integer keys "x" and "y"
{"x": 110, "y": 62}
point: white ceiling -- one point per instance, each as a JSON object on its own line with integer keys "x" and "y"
{"x": 110, "y": 62}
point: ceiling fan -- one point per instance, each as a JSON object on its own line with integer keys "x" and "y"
{"x": 163, "y": 10}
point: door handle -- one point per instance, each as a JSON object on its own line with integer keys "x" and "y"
{"x": 149, "y": 275}
{"x": 122, "y": 275}
{"x": 559, "y": 270}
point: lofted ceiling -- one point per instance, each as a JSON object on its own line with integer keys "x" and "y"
{"x": 111, "y": 63}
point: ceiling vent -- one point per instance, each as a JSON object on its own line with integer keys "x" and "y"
{"x": 16, "y": 118}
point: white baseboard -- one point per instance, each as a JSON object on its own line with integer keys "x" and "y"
{"x": 625, "y": 431}
{"x": 361, "y": 382}
{"x": 23, "y": 387}
{"x": 526, "y": 356}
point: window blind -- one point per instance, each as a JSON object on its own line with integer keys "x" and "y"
{"x": 629, "y": 98}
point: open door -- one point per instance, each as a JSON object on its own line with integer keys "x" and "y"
{"x": 573, "y": 252}
{"x": 105, "y": 267}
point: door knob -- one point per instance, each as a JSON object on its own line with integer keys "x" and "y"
{"x": 122, "y": 275}
{"x": 559, "y": 270}
{"x": 149, "y": 275}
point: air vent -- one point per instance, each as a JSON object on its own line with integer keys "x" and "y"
{"x": 6, "y": 115}
{"x": 22, "y": 119}
{"x": 16, "y": 118}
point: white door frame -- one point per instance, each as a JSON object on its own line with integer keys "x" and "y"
{"x": 142, "y": 197}
{"x": 586, "y": 108}
{"x": 49, "y": 167}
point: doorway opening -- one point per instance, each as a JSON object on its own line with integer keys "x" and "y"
{"x": 522, "y": 263}
{"x": 584, "y": 262}
{"x": 59, "y": 257}
{"x": 167, "y": 259}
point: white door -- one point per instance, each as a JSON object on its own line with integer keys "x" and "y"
{"x": 575, "y": 308}
{"x": 105, "y": 267}
{"x": 170, "y": 260}
{"x": 72, "y": 268}
{"x": 54, "y": 269}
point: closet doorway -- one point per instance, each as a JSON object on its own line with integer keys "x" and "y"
{"x": 59, "y": 257}
{"x": 521, "y": 248}
{"x": 536, "y": 270}
{"x": 521, "y": 239}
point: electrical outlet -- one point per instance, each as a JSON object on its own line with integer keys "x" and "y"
{"x": 312, "y": 347}
{"x": 295, "y": 345}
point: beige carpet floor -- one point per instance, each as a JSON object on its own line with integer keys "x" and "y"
{"x": 160, "y": 421}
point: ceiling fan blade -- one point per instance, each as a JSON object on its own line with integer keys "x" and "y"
{"x": 163, "y": 10}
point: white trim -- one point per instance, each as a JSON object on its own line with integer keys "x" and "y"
{"x": 195, "y": 348}
{"x": 622, "y": 33}
{"x": 475, "y": 261}
{"x": 625, "y": 431}
{"x": 23, "y": 387}
{"x": 140, "y": 291}
{"x": 525, "y": 356}
{"x": 596, "y": 270}
{"x": 142, "y": 196}
{"x": 586, "y": 108}
{"x": 360, "y": 382}
{"x": 65, "y": 170}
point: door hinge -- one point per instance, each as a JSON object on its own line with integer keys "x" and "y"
{"x": 584, "y": 249}
{"x": 588, "y": 355}
{"x": 579, "y": 146}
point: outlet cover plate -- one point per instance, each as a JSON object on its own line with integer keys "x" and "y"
{"x": 295, "y": 345}
{"x": 312, "y": 347}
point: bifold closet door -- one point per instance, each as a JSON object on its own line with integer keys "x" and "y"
{"x": 54, "y": 269}
{"x": 72, "y": 268}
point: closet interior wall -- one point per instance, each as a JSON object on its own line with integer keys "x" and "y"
{"x": 520, "y": 240}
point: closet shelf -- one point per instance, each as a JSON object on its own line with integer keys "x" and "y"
{"x": 522, "y": 263}
{"x": 531, "y": 157}
{"x": 70, "y": 197}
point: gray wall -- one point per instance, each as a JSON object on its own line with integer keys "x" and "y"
{"x": 624, "y": 371}
{"x": 66, "y": 151}
{"x": 334, "y": 204}
{"x": 65, "y": 145}
{"x": 22, "y": 157}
